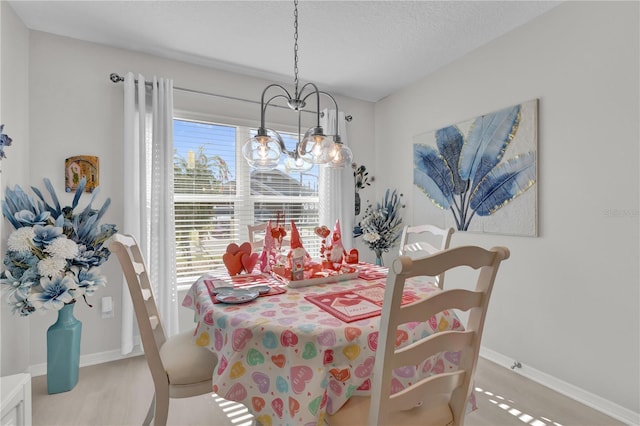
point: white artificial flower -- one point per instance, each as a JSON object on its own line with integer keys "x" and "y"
{"x": 62, "y": 247}
{"x": 371, "y": 237}
{"x": 51, "y": 266}
{"x": 21, "y": 240}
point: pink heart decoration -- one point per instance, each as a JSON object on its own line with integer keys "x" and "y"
{"x": 208, "y": 318}
{"x": 372, "y": 340}
{"x": 217, "y": 339}
{"x": 322, "y": 231}
{"x": 433, "y": 323}
{"x": 236, "y": 393}
{"x": 288, "y": 338}
{"x": 222, "y": 365}
{"x": 438, "y": 368}
{"x": 366, "y": 385}
{"x": 240, "y": 338}
{"x": 396, "y": 386}
{"x": 278, "y": 406}
{"x": 365, "y": 369}
{"x": 336, "y": 387}
{"x": 300, "y": 376}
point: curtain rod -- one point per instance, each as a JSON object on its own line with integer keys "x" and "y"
{"x": 115, "y": 78}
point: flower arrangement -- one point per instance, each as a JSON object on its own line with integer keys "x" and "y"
{"x": 381, "y": 226}
{"x": 5, "y": 140}
{"x": 54, "y": 253}
{"x": 361, "y": 176}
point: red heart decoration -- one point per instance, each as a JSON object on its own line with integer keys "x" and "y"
{"x": 258, "y": 403}
{"x": 279, "y": 360}
{"x": 294, "y": 406}
{"x": 353, "y": 256}
{"x": 233, "y": 262}
{"x": 249, "y": 261}
{"x": 233, "y": 248}
{"x": 322, "y": 231}
{"x": 245, "y": 248}
{"x": 341, "y": 375}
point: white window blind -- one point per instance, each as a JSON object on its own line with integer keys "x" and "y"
{"x": 217, "y": 195}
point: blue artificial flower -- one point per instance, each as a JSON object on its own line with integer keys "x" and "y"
{"x": 46, "y": 234}
{"x": 5, "y": 140}
{"x": 29, "y": 218}
{"x": 16, "y": 285}
{"x": 88, "y": 280}
{"x": 22, "y": 265}
{"x": 55, "y": 292}
{"x": 20, "y": 306}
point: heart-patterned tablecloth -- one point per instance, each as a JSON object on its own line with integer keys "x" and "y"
{"x": 291, "y": 362}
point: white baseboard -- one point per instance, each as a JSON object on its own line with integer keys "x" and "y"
{"x": 584, "y": 397}
{"x": 92, "y": 359}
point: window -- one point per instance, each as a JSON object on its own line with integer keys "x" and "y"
{"x": 217, "y": 195}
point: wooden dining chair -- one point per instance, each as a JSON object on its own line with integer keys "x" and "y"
{"x": 256, "y": 235}
{"x": 439, "y": 399}
{"x": 179, "y": 368}
{"x": 422, "y": 247}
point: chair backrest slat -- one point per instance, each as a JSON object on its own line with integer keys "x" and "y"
{"x": 135, "y": 271}
{"x": 417, "y": 249}
{"x": 455, "y": 386}
{"x": 445, "y": 341}
{"x": 450, "y": 299}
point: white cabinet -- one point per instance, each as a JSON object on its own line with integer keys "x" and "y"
{"x": 15, "y": 392}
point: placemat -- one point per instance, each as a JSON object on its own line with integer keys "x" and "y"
{"x": 356, "y": 304}
{"x": 370, "y": 272}
{"x": 241, "y": 281}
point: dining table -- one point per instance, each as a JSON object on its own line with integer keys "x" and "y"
{"x": 291, "y": 360}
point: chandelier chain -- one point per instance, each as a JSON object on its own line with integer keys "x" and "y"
{"x": 295, "y": 47}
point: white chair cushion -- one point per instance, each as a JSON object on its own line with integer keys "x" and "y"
{"x": 185, "y": 362}
{"x": 352, "y": 412}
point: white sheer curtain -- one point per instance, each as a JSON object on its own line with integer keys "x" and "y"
{"x": 148, "y": 194}
{"x": 336, "y": 190}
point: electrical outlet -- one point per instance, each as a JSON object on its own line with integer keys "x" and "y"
{"x": 107, "y": 307}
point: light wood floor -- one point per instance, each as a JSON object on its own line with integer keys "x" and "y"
{"x": 119, "y": 392}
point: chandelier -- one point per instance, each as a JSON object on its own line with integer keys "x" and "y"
{"x": 264, "y": 150}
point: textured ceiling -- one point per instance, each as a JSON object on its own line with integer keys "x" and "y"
{"x": 362, "y": 49}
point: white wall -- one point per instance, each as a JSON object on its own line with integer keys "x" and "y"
{"x": 565, "y": 303}
{"x": 14, "y": 109}
{"x": 75, "y": 110}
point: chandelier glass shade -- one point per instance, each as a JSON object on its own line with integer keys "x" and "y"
{"x": 265, "y": 150}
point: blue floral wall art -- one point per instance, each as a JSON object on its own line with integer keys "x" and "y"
{"x": 481, "y": 173}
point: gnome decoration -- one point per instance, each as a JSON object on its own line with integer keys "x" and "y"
{"x": 298, "y": 256}
{"x": 268, "y": 256}
{"x": 335, "y": 251}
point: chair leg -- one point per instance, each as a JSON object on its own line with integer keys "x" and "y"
{"x": 162, "y": 407}
{"x": 152, "y": 409}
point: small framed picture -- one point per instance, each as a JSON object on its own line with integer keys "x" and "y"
{"x": 78, "y": 167}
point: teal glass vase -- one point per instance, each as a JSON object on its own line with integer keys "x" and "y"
{"x": 63, "y": 351}
{"x": 379, "y": 261}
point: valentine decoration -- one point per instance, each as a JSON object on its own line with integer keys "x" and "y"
{"x": 239, "y": 258}
{"x": 336, "y": 252}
